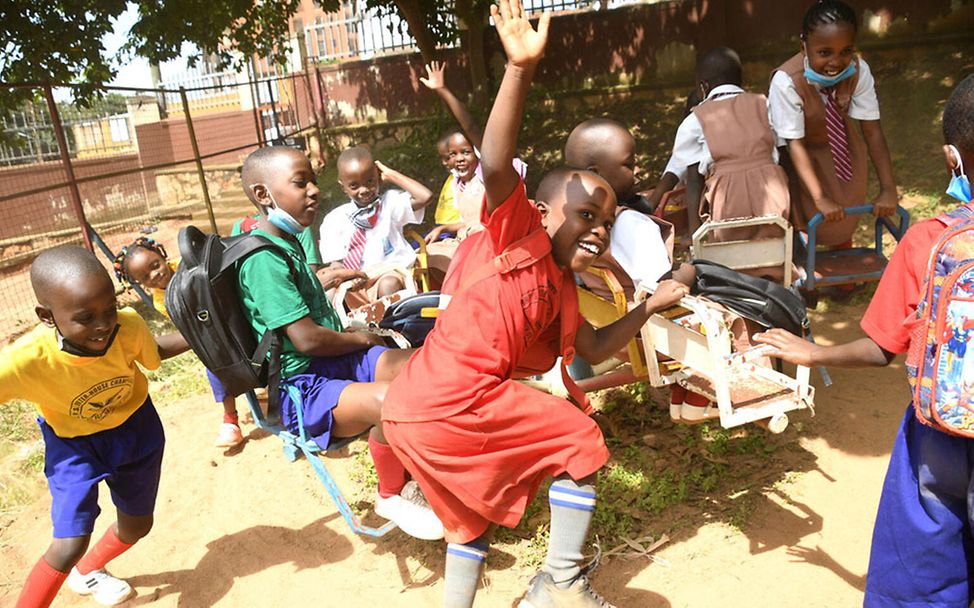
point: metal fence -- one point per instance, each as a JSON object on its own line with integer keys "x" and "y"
{"x": 357, "y": 31}
{"x": 154, "y": 160}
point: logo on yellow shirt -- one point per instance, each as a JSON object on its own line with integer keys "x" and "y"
{"x": 100, "y": 400}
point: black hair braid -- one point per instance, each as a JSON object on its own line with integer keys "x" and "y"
{"x": 120, "y": 263}
{"x": 825, "y": 12}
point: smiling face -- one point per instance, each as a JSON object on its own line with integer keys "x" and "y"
{"x": 84, "y": 311}
{"x": 830, "y": 47}
{"x": 359, "y": 179}
{"x": 578, "y": 212}
{"x": 148, "y": 268}
{"x": 462, "y": 156}
{"x": 290, "y": 182}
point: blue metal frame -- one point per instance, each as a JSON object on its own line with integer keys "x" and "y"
{"x": 293, "y": 445}
{"x": 809, "y": 283}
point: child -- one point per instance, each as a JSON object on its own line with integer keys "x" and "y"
{"x": 446, "y": 207}
{"x": 367, "y": 231}
{"x": 463, "y": 146}
{"x": 98, "y": 423}
{"x": 341, "y": 376}
{"x": 145, "y": 262}
{"x": 479, "y": 443}
{"x": 728, "y": 137}
{"x": 641, "y": 246}
{"x": 921, "y": 542}
{"x": 818, "y": 101}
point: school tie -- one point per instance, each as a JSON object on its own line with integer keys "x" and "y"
{"x": 364, "y": 220}
{"x": 838, "y": 138}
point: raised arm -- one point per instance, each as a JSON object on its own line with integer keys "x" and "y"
{"x": 421, "y": 195}
{"x": 436, "y": 82}
{"x": 524, "y": 47}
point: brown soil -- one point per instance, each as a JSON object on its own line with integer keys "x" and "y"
{"x": 250, "y": 529}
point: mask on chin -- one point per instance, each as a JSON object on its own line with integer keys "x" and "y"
{"x": 829, "y": 81}
{"x": 80, "y": 351}
{"x": 281, "y": 218}
{"x": 960, "y": 185}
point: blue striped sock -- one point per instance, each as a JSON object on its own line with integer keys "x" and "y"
{"x": 572, "y": 506}
{"x": 463, "y": 566}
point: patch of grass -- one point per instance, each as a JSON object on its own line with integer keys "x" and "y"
{"x": 18, "y": 422}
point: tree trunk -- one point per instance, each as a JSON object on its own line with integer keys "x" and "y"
{"x": 412, "y": 12}
{"x": 474, "y": 15}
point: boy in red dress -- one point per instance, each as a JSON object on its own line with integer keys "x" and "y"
{"x": 479, "y": 443}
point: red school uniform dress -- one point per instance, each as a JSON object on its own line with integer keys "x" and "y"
{"x": 479, "y": 443}
{"x": 920, "y": 554}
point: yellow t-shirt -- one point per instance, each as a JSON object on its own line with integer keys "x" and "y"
{"x": 446, "y": 206}
{"x": 80, "y": 395}
{"x": 159, "y": 295}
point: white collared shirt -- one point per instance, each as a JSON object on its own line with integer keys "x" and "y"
{"x": 690, "y": 147}
{"x": 384, "y": 243}
{"x": 786, "y": 109}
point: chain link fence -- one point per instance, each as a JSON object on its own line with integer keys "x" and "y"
{"x": 135, "y": 161}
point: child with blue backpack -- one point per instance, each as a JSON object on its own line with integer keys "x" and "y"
{"x": 921, "y": 548}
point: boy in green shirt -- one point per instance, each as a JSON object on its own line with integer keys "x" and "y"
{"x": 341, "y": 376}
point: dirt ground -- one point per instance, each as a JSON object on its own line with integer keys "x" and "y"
{"x": 249, "y": 529}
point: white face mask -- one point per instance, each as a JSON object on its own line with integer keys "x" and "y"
{"x": 279, "y": 217}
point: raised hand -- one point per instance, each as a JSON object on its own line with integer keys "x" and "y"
{"x": 383, "y": 171}
{"x": 434, "y": 75}
{"x": 523, "y": 44}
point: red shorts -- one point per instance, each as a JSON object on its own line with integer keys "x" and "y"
{"x": 485, "y": 464}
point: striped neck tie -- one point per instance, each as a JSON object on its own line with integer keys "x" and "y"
{"x": 364, "y": 220}
{"x": 838, "y": 138}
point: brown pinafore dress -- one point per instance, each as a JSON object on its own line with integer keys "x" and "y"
{"x": 744, "y": 180}
{"x": 847, "y": 194}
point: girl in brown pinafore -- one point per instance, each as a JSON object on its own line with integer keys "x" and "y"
{"x": 823, "y": 106}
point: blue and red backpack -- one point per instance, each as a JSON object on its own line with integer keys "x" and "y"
{"x": 939, "y": 365}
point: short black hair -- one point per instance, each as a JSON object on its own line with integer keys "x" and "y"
{"x": 585, "y": 143}
{"x": 63, "y": 265}
{"x": 355, "y": 153}
{"x": 557, "y": 181}
{"x": 958, "y": 118}
{"x": 255, "y": 166}
{"x": 721, "y": 65}
{"x": 825, "y": 12}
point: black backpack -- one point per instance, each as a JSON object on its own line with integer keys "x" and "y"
{"x": 763, "y": 301}
{"x": 407, "y": 317}
{"x": 203, "y": 301}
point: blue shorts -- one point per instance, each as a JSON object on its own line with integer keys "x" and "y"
{"x": 321, "y": 385}
{"x": 922, "y": 550}
{"x": 219, "y": 391}
{"x": 128, "y": 458}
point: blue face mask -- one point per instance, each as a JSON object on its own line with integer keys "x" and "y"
{"x": 281, "y": 218}
{"x": 829, "y": 81}
{"x": 960, "y": 185}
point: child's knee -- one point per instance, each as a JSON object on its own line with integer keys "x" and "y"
{"x": 64, "y": 553}
{"x": 131, "y": 529}
{"x": 390, "y": 284}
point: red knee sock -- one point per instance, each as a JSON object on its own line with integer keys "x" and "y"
{"x": 392, "y": 475}
{"x": 695, "y": 399}
{"x": 41, "y": 586}
{"x": 108, "y": 548}
{"x": 231, "y": 418}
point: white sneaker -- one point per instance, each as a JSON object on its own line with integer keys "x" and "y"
{"x": 676, "y": 412}
{"x": 229, "y": 436}
{"x": 101, "y": 586}
{"x": 411, "y": 512}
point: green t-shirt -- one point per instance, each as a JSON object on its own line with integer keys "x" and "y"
{"x": 306, "y": 238}
{"x": 272, "y": 298}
